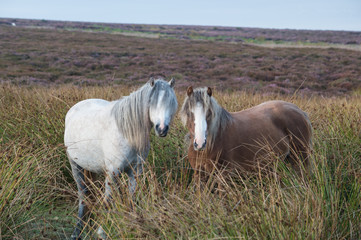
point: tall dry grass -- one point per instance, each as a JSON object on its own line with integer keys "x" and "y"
{"x": 38, "y": 195}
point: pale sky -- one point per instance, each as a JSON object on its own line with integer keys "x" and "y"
{"x": 291, "y": 14}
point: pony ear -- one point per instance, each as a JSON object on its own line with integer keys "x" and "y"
{"x": 189, "y": 91}
{"x": 209, "y": 91}
{"x": 171, "y": 82}
{"x": 151, "y": 82}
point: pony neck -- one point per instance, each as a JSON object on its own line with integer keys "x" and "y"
{"x": 132, "y": 117}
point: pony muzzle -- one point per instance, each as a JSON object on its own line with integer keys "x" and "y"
{"x": 198, "y": 147}
{"x": 161, "y": 132}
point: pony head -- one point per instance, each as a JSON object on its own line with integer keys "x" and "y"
{"x": 197, "y": 114}
{"x": 162, "y": 105}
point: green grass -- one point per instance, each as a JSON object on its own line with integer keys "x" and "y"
{"x": 38, "y": 195}
{"x": 101, "y": 29}
{"x": 258, "y": 41}
{"x": 299, "y": 44}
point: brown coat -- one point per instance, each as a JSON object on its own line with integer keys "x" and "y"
{"x": 254, "y": 136}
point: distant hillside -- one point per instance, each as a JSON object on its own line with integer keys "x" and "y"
{"x": 235, "y": 34}
{"x": 49, "y": 52}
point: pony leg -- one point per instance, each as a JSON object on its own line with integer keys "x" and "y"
{"x": 132, "y": 182}
{"x": 133, "y": 173}
{"x": 111, "y": 179}
{"x": 78, "y": 174}
{"x": 299, "y": 157}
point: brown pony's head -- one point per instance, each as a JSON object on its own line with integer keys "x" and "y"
{"x": 202, "y": 115}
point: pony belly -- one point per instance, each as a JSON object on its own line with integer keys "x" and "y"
{"x": 102, "y": 153}
{"x": 119, "y": 155}
{"x": 89, "y": 157}
{"x": 102, "y": 156}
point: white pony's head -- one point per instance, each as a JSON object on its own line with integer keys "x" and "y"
{"x": 162, "y": 105}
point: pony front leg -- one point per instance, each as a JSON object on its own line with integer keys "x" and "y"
{"x": 133, "y": 173}
{"x": 111, "y": 182}
{"x": 132, "y": 183}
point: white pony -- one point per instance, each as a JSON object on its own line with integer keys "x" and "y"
{"x": 112, "y": 137}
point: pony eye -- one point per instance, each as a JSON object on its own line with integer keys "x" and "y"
{"x": 191, "y": 116}
{"x": 209, "y": 115}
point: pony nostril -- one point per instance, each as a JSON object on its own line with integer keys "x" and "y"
{"x": 195, "y": 144}
{"x": 204, "y": 144}
{"x": 162, "y": 131}
{"x": 165, "y": 129}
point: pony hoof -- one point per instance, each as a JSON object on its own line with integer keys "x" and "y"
{"x": 75, "y": 237}
{"x": 101, "y": 234}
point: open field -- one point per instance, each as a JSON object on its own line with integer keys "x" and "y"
{"x": 43, "y": 72}
{"x": 57, "y": 56}
{"x": 219, "y": 33}
{"x": 38, "y": 195}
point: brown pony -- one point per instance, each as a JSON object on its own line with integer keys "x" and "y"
{"x": 247, "y": 139}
